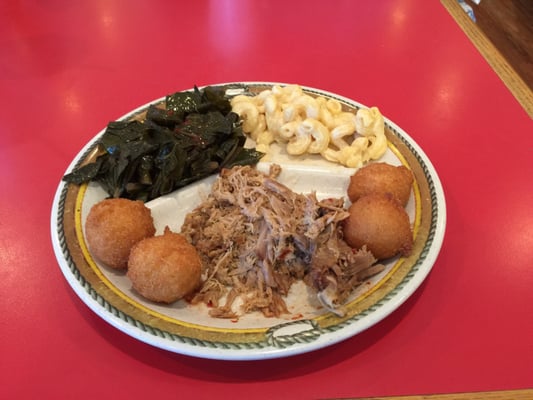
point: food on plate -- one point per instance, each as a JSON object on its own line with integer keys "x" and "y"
{"x": 193, "y": 136}
{"x": 307, "y": 124}
{"x": 245, "y": 245}
{"x": 113, "y": 226}
{"x": 379, "y": 222}
{"x": 164, "y": 268}
{"x": 256, "y": 237}
{"x": 381, "y": 178}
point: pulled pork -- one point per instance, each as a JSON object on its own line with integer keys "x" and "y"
{"x": 256, "y": 237}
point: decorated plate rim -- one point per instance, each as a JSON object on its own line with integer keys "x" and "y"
{"x": 292, "y": 338}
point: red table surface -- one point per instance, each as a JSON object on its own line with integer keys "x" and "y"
{"x": 69, "y": 67}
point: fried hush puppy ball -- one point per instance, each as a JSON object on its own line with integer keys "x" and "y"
{"x": 381, "y": 178}
{"x": 164, "y": 268}
{"x": 380, "y": 223}
{"x": 113, "y": 226}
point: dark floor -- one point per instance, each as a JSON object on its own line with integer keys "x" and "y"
{"x": 508, "y": 24}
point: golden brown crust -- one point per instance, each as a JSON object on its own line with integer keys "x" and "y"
{"x": 164, "y": 268}
{"x": 381, "y": 178}
{"x": 113, "y": 226}
{"x": 380, "y": 223}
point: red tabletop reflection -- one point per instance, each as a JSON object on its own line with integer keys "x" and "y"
{"x": 68, "y": 68}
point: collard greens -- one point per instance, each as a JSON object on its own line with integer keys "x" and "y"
{"x": 194, "y": 136}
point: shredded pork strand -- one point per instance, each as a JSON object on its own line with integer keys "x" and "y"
{"x": 256, "y": 237}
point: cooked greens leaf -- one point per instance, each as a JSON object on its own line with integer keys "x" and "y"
{"x": 164, "y": 117}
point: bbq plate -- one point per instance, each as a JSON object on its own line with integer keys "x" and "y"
{"x": 188, "y": 329}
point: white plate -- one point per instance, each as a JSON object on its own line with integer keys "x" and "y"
{"x": 187, "y": 329}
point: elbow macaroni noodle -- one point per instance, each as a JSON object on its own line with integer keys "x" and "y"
{"x": 314, "y": 125}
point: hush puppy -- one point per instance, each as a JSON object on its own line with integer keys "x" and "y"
{"x": 381, "y": 178}
{"x": 113, "y": 226}
{"x": 380, "y": 223}
{"x": 164, "y": 268}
